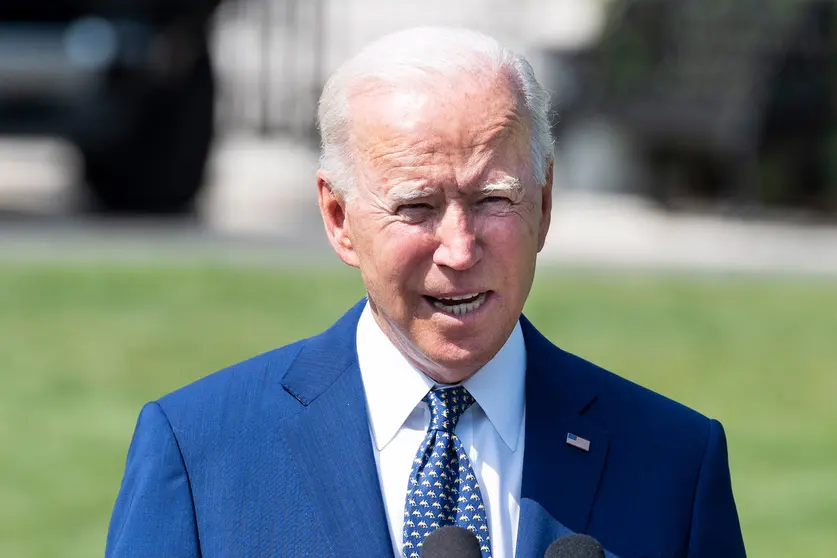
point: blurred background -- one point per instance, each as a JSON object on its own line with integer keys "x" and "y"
{"x": 158, "y": 221}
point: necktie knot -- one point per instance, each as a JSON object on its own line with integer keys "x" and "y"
{"x": 446, "y": 406}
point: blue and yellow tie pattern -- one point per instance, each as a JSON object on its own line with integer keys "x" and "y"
{"x": 443, "y": 489}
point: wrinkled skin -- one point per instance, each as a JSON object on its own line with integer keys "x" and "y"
{"x": 422, "y": 223}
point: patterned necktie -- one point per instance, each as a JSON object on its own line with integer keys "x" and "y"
{"x": 443, "y": 489}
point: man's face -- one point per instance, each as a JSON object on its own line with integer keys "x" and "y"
{"x": 446, "y": 220}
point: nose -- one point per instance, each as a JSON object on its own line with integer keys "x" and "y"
{"x": 459, "y": 248}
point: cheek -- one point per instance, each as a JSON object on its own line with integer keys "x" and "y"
{"x": 400, "y": 256}
{"x": 409, "y": 254}
{"x": 511, "y": 237}
{"x": 512, "y": 244}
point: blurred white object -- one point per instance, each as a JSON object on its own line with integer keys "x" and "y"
{"x": 595, "y": 156}
{"x": 630, "y": 233}
{"x": 38, "y": 175}
{"x": 261, "y": 187}
{"x": 561, "y": 24}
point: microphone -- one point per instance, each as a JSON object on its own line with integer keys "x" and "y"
{"x": 575, "y": 546}
{"x": 451, "y": 541}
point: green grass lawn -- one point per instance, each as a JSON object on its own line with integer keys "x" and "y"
{"x": 83, "y": 348}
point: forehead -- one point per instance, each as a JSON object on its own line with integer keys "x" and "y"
{"x": 463, "y": 126}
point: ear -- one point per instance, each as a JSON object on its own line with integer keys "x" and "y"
{"x": 334, "y": 211}
{"x": 546, "y": 206}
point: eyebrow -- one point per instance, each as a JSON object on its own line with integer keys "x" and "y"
{"x": 509, "y": 185}
{"x": 400, "y": 194}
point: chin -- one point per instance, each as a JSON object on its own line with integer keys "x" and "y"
{"x": 457, "y": 362}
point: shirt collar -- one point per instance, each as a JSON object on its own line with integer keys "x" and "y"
{"x": 499, "y": 388}
{"x": 394, "y": 387}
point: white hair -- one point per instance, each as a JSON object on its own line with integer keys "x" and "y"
{"x": 419, "y": 54}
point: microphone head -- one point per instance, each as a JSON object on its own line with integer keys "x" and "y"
{"x": 575, "y": 546}
{"x": 451, "y": 541}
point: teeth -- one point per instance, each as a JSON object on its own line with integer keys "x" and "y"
{"x": 463, "y": 297}
{"x": 464, "y": 308}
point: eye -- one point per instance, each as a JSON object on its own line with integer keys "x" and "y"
{"x": 414, "y": 211}
{"x": 489, "y": 200}
{"x": 414, "y": 206}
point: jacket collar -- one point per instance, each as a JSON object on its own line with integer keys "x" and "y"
{"x": 330, "y": 441}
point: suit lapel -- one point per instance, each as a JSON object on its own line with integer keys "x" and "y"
{"x": 560, "y": 481}
{"x": 330, "y": 440}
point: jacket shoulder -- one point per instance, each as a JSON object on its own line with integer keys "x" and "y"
{"x": 614, "y": 402}
{"x": 655, "y": 443}
{"x": 666, "y": 462}
{"x": 627, "y": 406}
{"x": 255, "y": 389}
{"x": 240, "y": 385}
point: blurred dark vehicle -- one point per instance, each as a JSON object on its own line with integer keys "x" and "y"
{"x": 728, "y": 101}
{"x": 129, "y": 82}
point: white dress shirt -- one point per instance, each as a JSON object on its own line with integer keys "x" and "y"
{"x": 491, "y": 430}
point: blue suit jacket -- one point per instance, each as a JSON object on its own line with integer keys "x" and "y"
{"x": 273, "y": 457}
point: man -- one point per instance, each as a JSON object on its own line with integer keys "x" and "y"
{"x": 436, "y": 183}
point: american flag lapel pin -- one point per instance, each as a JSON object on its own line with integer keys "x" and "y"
{"x": 578, "y": 442}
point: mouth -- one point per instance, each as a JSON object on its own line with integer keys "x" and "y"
{"x": 458, "y": 305}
